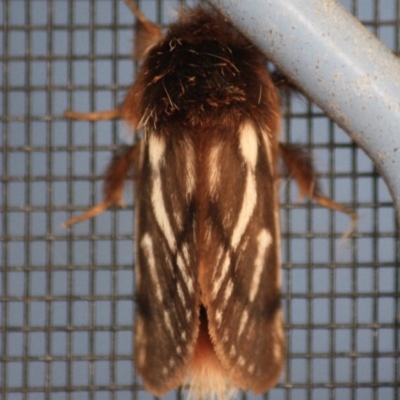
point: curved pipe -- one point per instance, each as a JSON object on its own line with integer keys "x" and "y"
{"x": 345, "y": 69}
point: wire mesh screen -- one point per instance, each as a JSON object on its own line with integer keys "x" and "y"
{"x": 67, "y": 296}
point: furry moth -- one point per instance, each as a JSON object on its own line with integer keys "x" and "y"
{"x": 207, "y": 214}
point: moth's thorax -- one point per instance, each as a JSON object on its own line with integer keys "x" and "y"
{"x": 202, "y": 70}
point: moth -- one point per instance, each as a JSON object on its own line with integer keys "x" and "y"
{"x": 206, "y": 173}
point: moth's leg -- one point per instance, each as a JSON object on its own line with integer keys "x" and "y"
{"x": 300, "y": 167}
{"x": 119, "y": 170}
{"x": 283, "y": 83}
{"x": 95, "y": 116}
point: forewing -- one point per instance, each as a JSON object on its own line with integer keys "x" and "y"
{"x": 167, "y": 299}
{"x": 241, "y": 277}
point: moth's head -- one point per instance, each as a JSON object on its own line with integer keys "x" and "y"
{"x": 203, "y": 22}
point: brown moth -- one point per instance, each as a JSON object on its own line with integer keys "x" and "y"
{"x": 207, "y": 213}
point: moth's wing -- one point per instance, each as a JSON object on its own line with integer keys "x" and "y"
{"x": 242, "y": 263}
{"x": 167, "y": 319}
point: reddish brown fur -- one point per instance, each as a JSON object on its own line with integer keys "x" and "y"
{"x": 178, "y": 104}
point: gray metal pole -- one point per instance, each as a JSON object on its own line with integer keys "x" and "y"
{"x": 346, "y": 70}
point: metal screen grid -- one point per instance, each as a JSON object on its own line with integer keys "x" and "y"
{"x": 67, "y": 297}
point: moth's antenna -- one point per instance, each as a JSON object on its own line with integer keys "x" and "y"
{"x": 147, "y": 33}
{"x": 138, "y": 14}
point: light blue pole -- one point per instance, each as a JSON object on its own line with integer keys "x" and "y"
{"x": 346, "y": 70}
